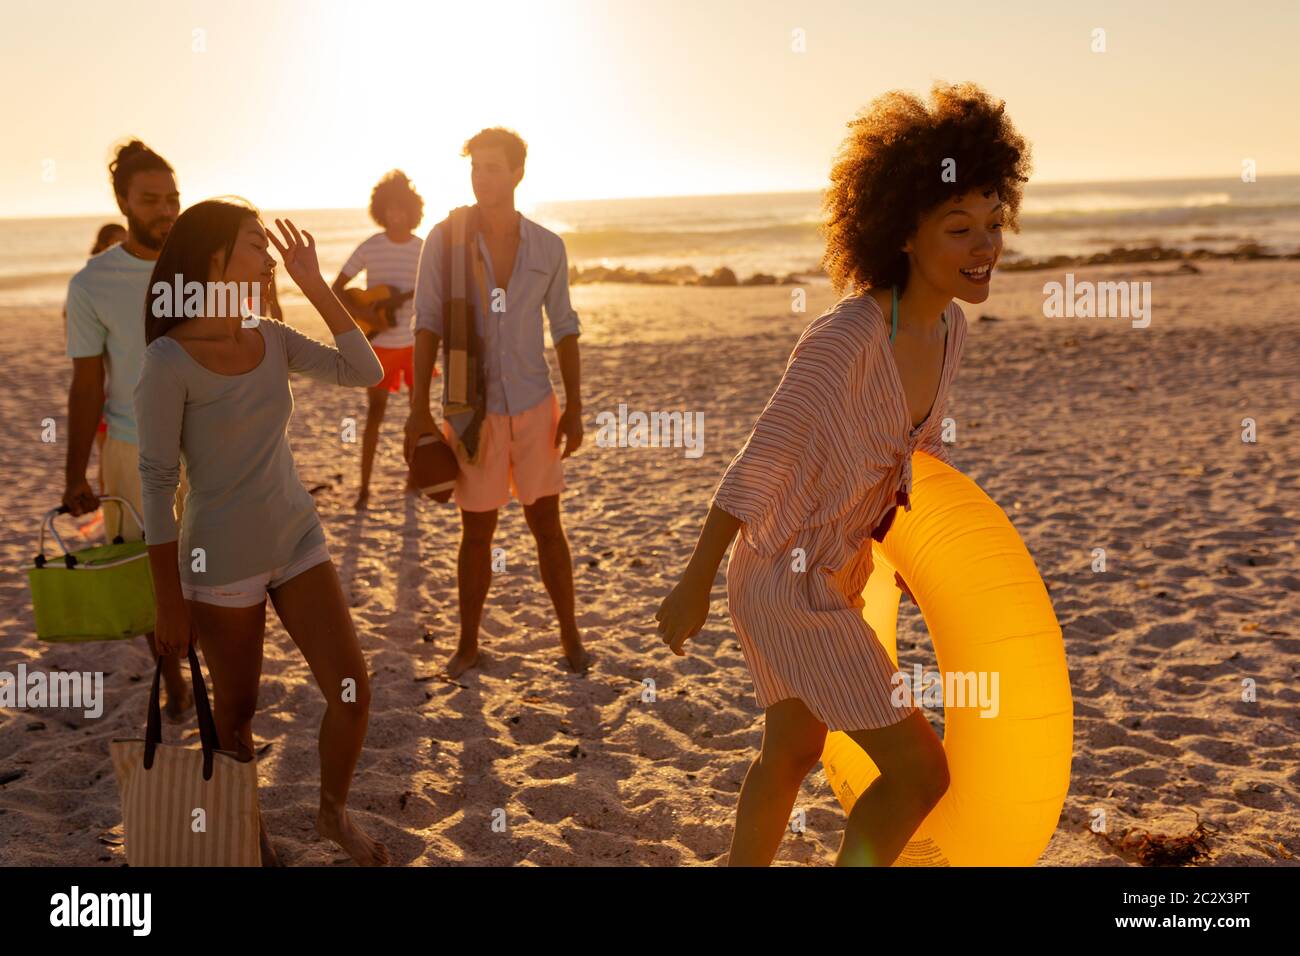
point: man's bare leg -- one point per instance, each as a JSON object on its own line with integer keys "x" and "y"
{"x": 556, "y": 564}
{"x": 473, "y": 578}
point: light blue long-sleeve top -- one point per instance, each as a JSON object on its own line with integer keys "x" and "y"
{"x": 247, "y": 508}
{"x": 518, "y": 377}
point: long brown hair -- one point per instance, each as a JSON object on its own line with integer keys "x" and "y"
{"x": 200, "y": 231}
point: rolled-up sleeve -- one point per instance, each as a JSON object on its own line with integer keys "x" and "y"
{"x": 352, "y": 363}
{"x": 770, "y": 484}
{"x": 560, "y": 316}
{"x": 159, "y": 412}
{"x": 428, "y": 284}
{"x": 357, "y": 261}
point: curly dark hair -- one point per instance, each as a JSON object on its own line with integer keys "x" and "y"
{"x": 888, "y": 174}
{"x": 395, "y": 186}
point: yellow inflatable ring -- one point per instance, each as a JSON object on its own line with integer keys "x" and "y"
{"x": 988, "y": 613}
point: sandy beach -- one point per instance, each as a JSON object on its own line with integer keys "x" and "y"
{"x": 1088, "y": 432}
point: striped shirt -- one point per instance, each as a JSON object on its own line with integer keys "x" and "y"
{"x": 828, "y": 460}
{"x": 393, "y": 264}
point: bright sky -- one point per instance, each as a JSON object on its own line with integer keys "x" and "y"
{"x": 305, "y": 103}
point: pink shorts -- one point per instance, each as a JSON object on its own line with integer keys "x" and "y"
{"x": 517, "y": 454}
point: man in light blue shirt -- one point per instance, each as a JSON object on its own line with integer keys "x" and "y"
{"x": 106, "y": 342}
{"x": 526, "y": 271}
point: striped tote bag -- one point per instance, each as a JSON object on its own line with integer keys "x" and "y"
{"x": 186, "y": 807}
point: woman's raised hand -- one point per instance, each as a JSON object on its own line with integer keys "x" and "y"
{"x": 299, "y": 256}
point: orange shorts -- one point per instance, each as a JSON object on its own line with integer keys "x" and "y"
{"x": 517, "y": 454}
{"x": 398, "y": 364}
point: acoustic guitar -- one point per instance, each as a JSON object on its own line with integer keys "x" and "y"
{"x": 386, "y": 301}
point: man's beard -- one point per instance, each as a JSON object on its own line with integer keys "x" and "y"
{"x": 141, "y": 234}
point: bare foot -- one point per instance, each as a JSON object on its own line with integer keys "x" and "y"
{"x": 461, "y": 661}
{"x": 269, "y": 857}
{"x": 363, "y": 499}
{"x": 577, "y": 656}
{"x": 179, "y": 703}
{"x": 337, "y": 825}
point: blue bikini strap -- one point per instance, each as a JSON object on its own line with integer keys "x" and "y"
{"x": 894, "y": 330}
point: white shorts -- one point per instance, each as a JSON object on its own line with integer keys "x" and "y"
{"x": 250, "y": 592}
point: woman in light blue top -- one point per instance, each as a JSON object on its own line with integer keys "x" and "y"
{"x": 214, "y": 392}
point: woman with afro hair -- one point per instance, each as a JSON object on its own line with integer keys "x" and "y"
{"x": 918, "y": 198}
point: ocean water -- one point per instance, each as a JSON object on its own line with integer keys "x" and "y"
{"x": 773, "y": 232}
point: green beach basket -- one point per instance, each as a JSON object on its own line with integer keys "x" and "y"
{"x": 104, "y": 593}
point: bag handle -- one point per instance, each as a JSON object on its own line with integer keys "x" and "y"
{"x": 207, "y": 726}
{"x": 69, "y": 559}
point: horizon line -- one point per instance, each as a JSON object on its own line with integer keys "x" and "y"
{"x": 770, "y": 192}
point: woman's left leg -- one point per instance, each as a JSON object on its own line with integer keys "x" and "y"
{"x": 314, "y": 611}
{"x": 913, "y": 778}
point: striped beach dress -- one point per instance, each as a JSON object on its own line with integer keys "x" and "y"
{"x": 828, "y": 461}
